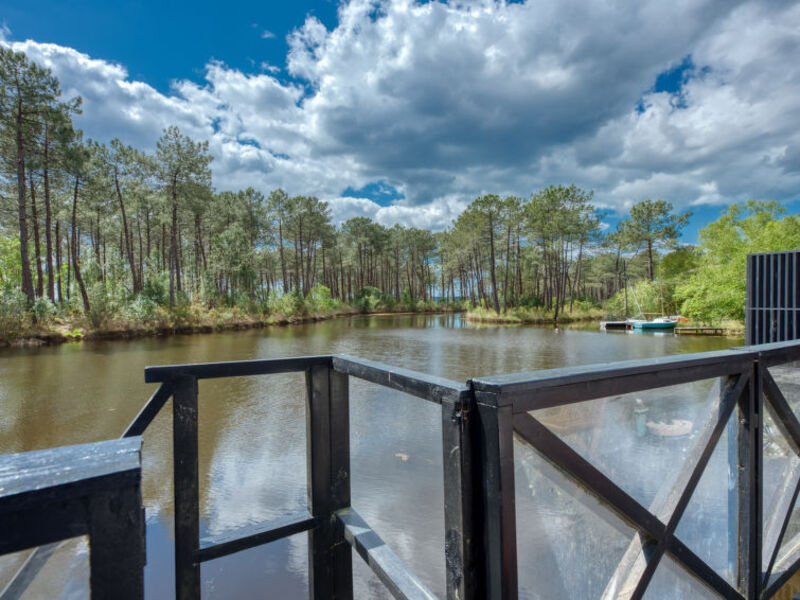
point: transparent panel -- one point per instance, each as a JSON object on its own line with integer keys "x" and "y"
{"x": 790, "y": 545}
{"x": 639, "y": 440}
{"x": 58, "y": 571}
{"x": 568, "y": 544}
{"x": 396, "y": 481}
{"x": 672, "y": 582}
{"x": 789, "y": 589}
{"x": 781, "y": 473}
{"x": 710, "y": 517}
{"x": 788, "y": 379}
{"x": 280, "y": 567}
{"x": 252, "y": 451}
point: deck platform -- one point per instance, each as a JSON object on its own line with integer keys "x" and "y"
{"x": 701, "y": 331}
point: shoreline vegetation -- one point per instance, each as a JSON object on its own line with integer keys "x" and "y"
{"x": 522, "y": 316}
{"x": 59, "y": 331}
{"x": 26, "y": 329}
{"x": 532, "y": 316}
{"x": 101, "y": 239}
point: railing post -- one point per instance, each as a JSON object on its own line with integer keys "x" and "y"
{"x": 117, "y": 544}
{"x": 745, "y": 459}
{"x": 495, "y": 457}
{"x": 462, "y": 533}
{"x": 330, "y": 565}
{"x": 187, "y": 495}
{"x": 90, "y": 489}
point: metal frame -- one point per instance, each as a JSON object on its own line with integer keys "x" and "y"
{"x": 479, "y": 421}
{"x": 334, "y": 527}
{"x": 773, "y": 297}
{"x": 744, "y": 373}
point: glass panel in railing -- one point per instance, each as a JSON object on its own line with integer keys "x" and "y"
{"x": 788, "y": 379}
{"x": 642, "y": 440}
{"x": 58, "y": 571}
{"x": 790, "y": 589}
{"x": 568, "y": 544}
{"x": 252, "y": 457}
{"x": 789, "y": 551}
{"x": 781, "y": 473}
{"x": 396, "y": 481}
{"x": 672, "y": 582}
{"x": 708, "y": 525}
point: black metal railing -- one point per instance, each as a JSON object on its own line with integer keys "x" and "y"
{"x": 479, "y": 422}
{"x": 773, "y": 297}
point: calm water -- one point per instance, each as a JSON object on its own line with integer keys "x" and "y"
{"x": 252, "y": 447}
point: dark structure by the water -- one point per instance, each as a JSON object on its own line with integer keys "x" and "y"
{"x": 773, "y": 297}
{"x": 39, "y": 504}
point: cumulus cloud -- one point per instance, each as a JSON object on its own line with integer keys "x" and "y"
{"x": 451, "y": 100}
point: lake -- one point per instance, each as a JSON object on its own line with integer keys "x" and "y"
{"x": 252, "y": 449}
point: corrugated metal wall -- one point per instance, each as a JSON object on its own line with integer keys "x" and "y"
{"x": 773, "y": 294}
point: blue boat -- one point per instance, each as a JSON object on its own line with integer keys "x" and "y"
{"x": 660, "y": 324}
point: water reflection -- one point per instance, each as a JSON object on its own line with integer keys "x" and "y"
{"x": 252, "y": 432}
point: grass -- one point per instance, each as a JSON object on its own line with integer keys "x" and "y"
{"x": 539, "y": 316}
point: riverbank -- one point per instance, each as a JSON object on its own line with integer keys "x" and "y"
{"x": 522, "y": 316}
{"x": 533, "y": 316}
{"x": 62, "y": 331}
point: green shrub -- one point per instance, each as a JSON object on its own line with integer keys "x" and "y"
{"x": 156, "y": 289}
{"x": 320, "y": 299}
{"x": 643, "y": 297}
{"x": 531, "y": 302}
{"x": 43, "y": 310}
{"x": 369, "y": 299}
{"x": 143, "y": 308}
{"x": 101, "y": 306}
{"x": 13, "y": 305}
{"x": 290, "y": 304}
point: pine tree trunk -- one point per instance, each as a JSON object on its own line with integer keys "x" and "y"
{"x": 74, "y": 248}
{"x": 27, "y": 277}
{"x": 128, "y": 245}
{"x": 173, "y": 249}
{"x": 495, "y": 300}
{"x": 48, "y": 224}
{"x": 58, "y": 261}
{"x": 37, "y": 247}
{"x": 505, "y": 283}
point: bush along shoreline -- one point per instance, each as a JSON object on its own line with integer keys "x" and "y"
{"x": 148, "y": 315}
{"x": 583, "y": 311}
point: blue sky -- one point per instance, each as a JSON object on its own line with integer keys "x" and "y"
{"x": 159, "y": 42}
{"x": 404, "y": 111}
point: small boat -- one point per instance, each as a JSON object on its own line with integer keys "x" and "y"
{"x": 660, "y": 324}
{"x": 679, "y": 318}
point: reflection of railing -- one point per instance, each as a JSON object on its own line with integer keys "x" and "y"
{"x": 479, "y": 421}
{"x": 92, "y": 489}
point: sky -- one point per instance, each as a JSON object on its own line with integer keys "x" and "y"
{"x": 404, "y": 111}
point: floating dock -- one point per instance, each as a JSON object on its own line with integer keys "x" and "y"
{"x": 701, "y": 331}
{"x": 615, "y": 325}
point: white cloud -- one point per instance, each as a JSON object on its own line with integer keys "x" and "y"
{"x": 453, "y": 100}
{"x": 267, "y": 35}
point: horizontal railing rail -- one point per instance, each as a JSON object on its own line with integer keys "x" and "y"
{"x": 480, "y": 420}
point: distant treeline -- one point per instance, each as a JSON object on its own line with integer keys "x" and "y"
{"x": 82, "y": 222}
